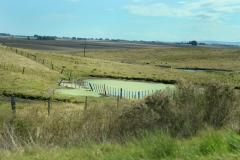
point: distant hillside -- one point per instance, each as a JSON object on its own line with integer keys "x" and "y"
{"x": 222, "y": 43}
{"x": 23, "y": 76}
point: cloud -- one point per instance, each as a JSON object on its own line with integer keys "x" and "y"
{"x": 204, "y": 9}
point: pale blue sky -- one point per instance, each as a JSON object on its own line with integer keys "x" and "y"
{"x": 164, "y": 20}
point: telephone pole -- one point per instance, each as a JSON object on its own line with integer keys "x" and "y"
{"x": 85, "y": 46}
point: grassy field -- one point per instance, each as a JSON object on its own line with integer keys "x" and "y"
{"x": 144, "y": 64}
{"x": 158, "y": 127}
{"x": 35, "y": 80}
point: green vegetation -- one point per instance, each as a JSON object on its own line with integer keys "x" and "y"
{"x": 76, "y": 92}
{"x": 22, "y": 76}
{"x": 145, "y": 64}
{"x": 209, "y": 145}
{"x": 161, "y": 126}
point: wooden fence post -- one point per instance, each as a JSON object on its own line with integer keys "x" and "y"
{"x": 23, "y": 70}
{"x": 104, "y": 89}
{"x": 52, "y": 66}
{"x": 60, "y": 82}
{"x": 70, "y": 76}
{"x": 91, "y": 86}
{"x": 13, "y": 104}
{"x": 121, "y": 90}
{"x": 49, "y": 106}
{"x": 86, "y": 100}
{"x": 62, "y": 70}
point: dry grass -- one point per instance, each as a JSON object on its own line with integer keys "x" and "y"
{"x": 141, "y": 63}
{"x": 36, "y": 80}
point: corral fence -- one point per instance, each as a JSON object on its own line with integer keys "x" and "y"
{"x": 106, "y": 90}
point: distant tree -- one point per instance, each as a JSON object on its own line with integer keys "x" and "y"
{"x": 28, "y": 38}
{"x": 45, "y": 37}
{"x": 74, "y": 38}
{"x": 193, "y": 43}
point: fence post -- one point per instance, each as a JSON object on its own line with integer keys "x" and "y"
{"x": 52, "y": 66}
{"x": 86, "y": 100}
{"x": 13, "y": 104}
{"x": 60, "y": 82}
{"x": 104, "y": 88}
{"x": 121, "y": 93}
{"x": 62, "y": 70}
{"x": 49, "y": 106}
{"x": 91, "y": 86}
{"x": 23, "y": 71}
{"x": 138, "y": 94}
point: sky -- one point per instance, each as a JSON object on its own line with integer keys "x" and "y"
{"x": 158, "y": 20}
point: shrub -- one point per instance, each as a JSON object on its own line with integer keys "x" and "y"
{"x": 219, "y": 103}
{"x": 134, "y": 119}
{"x": 162, "y": 105}
{"x": 188, "y": 100}
{"x": 183, "y": 112}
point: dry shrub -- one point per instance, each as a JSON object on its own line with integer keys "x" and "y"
{"x": 186, "y": 111}
{"x": 220, "y": 101}
{"x": 134, "y": 119}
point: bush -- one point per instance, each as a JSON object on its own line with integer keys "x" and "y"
{"x": 135, "y": 119}
{"x": 219, "y": 103}
{"x": 183, "y": 113}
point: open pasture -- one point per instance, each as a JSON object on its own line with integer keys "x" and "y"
{"x": 159, "y": 64}
{"x": 109, "y": 123}
{"x": 150, "y": 63}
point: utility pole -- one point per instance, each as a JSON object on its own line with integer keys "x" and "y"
{"x": 85, "y": 46}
